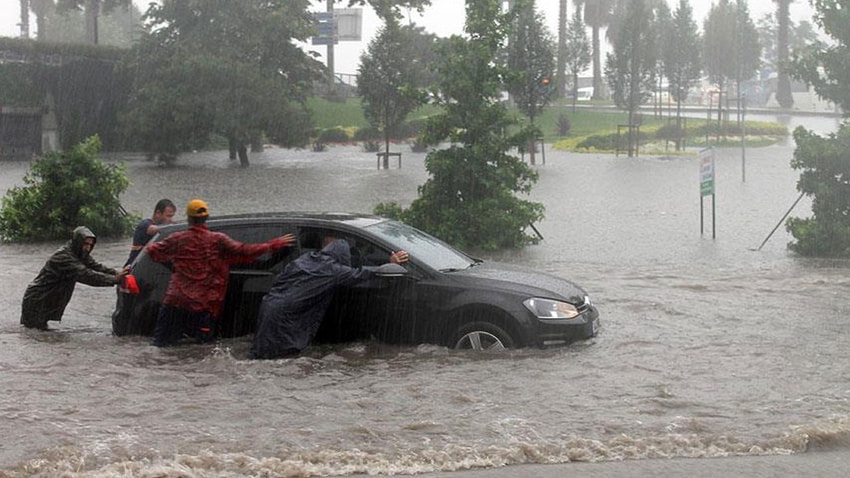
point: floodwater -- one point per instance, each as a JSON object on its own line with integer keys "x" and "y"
{"x": 708, "y": 346}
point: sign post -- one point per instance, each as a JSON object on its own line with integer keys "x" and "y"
{"x": 706, "y": 187}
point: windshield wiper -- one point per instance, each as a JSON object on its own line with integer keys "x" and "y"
{"x": 455, "y": 269}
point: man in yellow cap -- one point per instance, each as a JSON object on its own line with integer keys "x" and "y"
{"x": 201, "y": 263}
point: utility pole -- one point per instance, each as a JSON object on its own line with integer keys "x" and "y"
{"x": 330, "y": 54}
{"x": 740, "y": 82}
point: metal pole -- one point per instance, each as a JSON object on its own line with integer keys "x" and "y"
{"x": 781, "y": 221}
{"x": 743, "y": 140}
{"x": 713, "y": 217}
{"x": 330, "y": 49}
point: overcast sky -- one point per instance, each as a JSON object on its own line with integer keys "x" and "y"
{"x": 444, "y": 18}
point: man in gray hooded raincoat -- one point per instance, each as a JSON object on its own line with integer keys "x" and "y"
{"x": 294, "y": 307}
{"x": 49, "y": 293}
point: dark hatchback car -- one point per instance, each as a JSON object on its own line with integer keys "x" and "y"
{"x": 441, "y": 296}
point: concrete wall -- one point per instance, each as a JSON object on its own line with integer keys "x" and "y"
{"x": 20, "y": 133}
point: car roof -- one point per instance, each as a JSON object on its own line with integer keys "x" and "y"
{"x": 356, "y": 220}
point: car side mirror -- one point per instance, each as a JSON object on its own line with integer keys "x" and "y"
{"x": 391, "y": 270}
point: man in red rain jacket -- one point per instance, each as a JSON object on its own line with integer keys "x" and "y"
{"x": 201, "y": 263}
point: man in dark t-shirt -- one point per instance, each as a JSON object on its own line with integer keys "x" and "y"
{"x": 163, "y": 213}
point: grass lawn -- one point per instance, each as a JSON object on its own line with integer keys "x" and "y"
{"x": 584, "y": 123}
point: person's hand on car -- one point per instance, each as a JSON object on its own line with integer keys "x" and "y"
{"x": 285, "y": 240}
{"x": 399, "y": 257}
{"x": 119, "y": 277}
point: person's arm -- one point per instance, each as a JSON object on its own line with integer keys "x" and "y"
{"x": 347, "y": 275}
{"x": 88, "y": 271}
{"x": 162, "y": 251}
{"x": 92, "y": 264}
{"x": 236, "y": 251}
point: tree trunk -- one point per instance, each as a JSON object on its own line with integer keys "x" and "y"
{"x": 25, "y": 19}
{"x": 783, "y": 84}
{"x": 41, "y": 8}
{"x": 257, "y": 144}
{"x": 231, "y": 144}
{"x": 560, "y": 76}
{"x": 597, "y": 66}
{"x": 243, "y": 155}
{"x": 92, "y": 12}
{"x": 386, "y": 148}
{"x": 679, "y": 133}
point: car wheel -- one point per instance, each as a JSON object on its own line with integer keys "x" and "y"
{"x": 481, "y": 336}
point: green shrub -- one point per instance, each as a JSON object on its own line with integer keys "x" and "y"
{"x": 367, "y": 133}
{"x": 671, "y": 132}
{"x": 605, "y": 142}
{"x": 333, "y": 135}
{"x": 823, "y": 166}
{"x": 64, "y": 190}
{"x": 608, "y": 142}
{"x": 391, "y": 210}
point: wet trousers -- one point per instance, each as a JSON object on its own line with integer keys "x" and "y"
{"x": 174, "y": 324}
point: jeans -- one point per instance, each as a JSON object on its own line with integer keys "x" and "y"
{"x": 173, "y": 324}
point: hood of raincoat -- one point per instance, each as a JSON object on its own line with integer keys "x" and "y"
{"x": 315, "y": 263}
{"x": 78, "y": 238}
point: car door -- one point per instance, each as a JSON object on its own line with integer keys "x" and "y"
{"x": 249, "y": 282}
{"x": 386, "y": 308}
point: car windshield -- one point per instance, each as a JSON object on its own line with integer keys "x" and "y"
{"x": 422, "y": 246}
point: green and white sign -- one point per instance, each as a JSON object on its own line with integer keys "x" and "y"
{"x": 706, "y": 172}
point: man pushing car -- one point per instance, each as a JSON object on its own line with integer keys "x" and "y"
{"x": 201, "y": 263}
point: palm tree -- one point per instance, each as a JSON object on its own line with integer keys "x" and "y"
{"x": 560, "y": 75}
{"x": 92, "y": 10}
{"x": 42, "y": 9}
{"x": 597, "y": 14}
{"x": 783, "y": 85}
{"x": 25, "y": 19}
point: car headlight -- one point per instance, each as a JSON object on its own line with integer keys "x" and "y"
{"x": 550, "y": 309}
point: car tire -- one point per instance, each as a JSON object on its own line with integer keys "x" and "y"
{"x": 481, "y": 336}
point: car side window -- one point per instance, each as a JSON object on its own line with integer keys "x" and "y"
{"x": 253, "y": 233}
{"x": 363, "y": 252}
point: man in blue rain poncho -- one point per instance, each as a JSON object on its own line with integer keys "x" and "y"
{"x": 293, "y": 309}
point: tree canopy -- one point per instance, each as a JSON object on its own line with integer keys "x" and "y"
{"x": 390, "y": 9}
{"x": 825, "y": 171}
{"x": 470, "y": 198}
{"x": 630, "y": 68}
{"x": 578, "y": 51}
{"x": 229, "y": 68}
{"x": 731, "y": 46}
{"x": 530, "y": 58}
{"x": 825, "y": 66}
{"x": 681, "y": 57}
{"x": 393, "y": 75}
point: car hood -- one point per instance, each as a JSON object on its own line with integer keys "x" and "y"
{"x": 521, "y": 280}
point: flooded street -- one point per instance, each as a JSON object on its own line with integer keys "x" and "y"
{"x": 708, "y": 347}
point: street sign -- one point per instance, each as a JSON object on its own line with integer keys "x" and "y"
{"x": 325, "y": 28}
{"x": 706, "y": 172}
{"x": 706, "y": 187}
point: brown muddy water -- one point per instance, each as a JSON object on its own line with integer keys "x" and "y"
{"x": 707, "y": 348}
